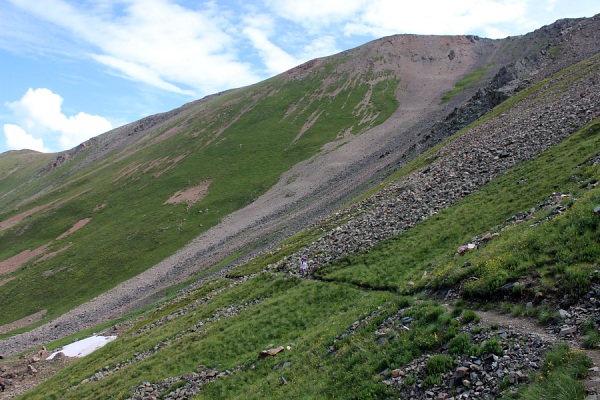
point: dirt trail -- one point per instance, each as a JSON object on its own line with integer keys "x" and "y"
{"x": 521, "y": 324}
{"x": 528, "y": 325}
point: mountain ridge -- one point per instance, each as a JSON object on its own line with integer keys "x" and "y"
{"x": 406, "y": 45}
{"x": 351, "y": 164}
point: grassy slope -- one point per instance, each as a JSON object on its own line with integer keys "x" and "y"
{"x": 309, "y": 315}
{"x": 16, "y": 169}
{"x": 431, "y": 244}
{"x": 134, "y": 230}
{"x": 464, "y": 83}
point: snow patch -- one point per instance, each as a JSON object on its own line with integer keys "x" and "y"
{"x": 84, "y": 347}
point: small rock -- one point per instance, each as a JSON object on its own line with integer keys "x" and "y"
{"x": 462, "y": 250}
{"x": 270, "y": 352}
{"x": 564, "y": 314}
{"x": 567, "y": 331}
{"x": 529, "y": 305}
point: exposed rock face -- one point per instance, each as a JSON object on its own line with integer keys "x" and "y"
{"x": 544, "y": 52}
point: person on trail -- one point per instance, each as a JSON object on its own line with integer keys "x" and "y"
{"x": 303, "y": 267}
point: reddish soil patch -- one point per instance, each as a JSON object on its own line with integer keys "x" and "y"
{"x": 14, "y": 263}
{"x": 155, "y": 163}
{"x": 173, "y": 162}
{"x": 307, "y": 125}
{"x": 167, "y": 134}
{"x": 9, "y": 223}
{"x": 5, "y": 281}
{"x": 190, "y": 195}
{"x": 99, "y": 207}
{"x": 78, "y": 225}
{"x": 127, "y": 171}
{"x": 48, "y": 256}
{"x": 30, "y": 319}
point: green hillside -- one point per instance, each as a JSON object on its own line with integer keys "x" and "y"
{"x": 237, "y": 144}
{"x": 456, "y": 256}
{"x": 344, "y": 328}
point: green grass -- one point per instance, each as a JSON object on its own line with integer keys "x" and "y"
{"x": 559, "y": 378}
{"x": 464, "y": 83}
{"x": 342, "y": 337}
{"x": 314, "y": 317}
{"x": 17, "y": 169}
{"x": 135, "y": 230}
{"x": 562, "y": 252}
{"x": 303, "y": 314}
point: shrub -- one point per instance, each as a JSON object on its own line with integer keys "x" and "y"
{"x": 506, "y": 307}
{"x": 409, "y": 380}
{"x": 405, "y": 301}
{"x": 469, "y": 316}
{"x": 577, "y": 282}
{"x": 476, "y": 350}
{"x": 591, "y": 340}
{"x": 460, "y": 344}
{"x": 492, "y": 346}
{"x": 518, "y": 311}
{"x": 518, "y": 289}
{"x": 432, "y": 380}
{"x": 457, "y": 311}
{"x": 588, "y": 326}
{"x": 438, "y": 364}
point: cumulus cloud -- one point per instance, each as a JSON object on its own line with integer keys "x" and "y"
{"x": 321, "y": 46}
{"x": 18, "y": 139}
{"x": 43, "y": 126}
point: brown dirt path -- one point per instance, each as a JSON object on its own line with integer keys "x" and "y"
{"x": 528, "y": 325}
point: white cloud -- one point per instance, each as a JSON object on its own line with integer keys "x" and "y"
{"x": 41, "y": 120}
{"x": 315, "y": 13}
{"x": 378, "y": 18}
{"x": 258, "y": 30}
{"x": 157, "y": 42}
{"x": 320, "y": 47}
{"x": 18, "y": 139}
{"x": 385, "y": 17}
{"x": 139, "y": 73}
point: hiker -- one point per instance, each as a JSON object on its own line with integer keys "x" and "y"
{"x": 304, "y": 267}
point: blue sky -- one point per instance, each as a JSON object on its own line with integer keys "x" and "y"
{"x": 72, "y": 69}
